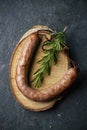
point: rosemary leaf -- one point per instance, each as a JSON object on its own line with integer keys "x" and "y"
{"x": 56, "y": 45}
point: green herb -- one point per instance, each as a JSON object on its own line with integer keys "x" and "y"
{"x": 55, "y": 45}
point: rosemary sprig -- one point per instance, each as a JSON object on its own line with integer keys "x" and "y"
{"x": 56, "y": 45}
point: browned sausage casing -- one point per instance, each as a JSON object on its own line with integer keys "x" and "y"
{"x": 22, "y": 70}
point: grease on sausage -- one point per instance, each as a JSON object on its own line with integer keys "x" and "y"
{"x": 22, "y": 70}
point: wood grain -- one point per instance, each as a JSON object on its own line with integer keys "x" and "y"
{"x": 56, "y": 74}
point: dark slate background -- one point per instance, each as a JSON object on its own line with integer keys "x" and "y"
{"x": 16, "y": 17}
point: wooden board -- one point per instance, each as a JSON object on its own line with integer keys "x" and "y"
{"x": 56, "y": 73}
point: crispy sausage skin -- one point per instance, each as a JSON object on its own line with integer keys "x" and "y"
{"x": 22, "y": 70}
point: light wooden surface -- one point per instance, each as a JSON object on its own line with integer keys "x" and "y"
{"x": 57, "y": 72}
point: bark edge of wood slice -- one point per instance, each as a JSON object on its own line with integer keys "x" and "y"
{"x": 24, "y": 101}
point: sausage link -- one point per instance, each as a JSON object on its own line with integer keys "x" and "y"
{"x": 22, "y": 70}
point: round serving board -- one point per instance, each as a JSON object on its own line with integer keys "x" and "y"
{"x": 56, "y": 74}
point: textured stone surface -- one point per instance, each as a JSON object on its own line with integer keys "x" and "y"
{"x": 16, "y": 17}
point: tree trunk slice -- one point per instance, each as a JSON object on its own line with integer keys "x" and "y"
{"x": 57, "y": 73}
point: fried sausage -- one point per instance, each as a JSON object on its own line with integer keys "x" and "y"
{"x": 22, "y": 71}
